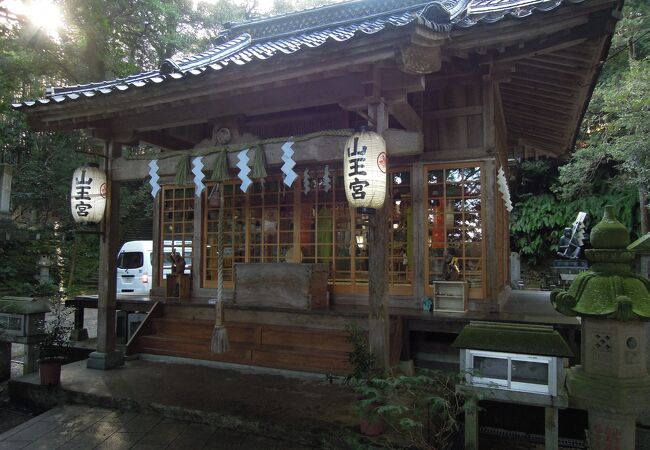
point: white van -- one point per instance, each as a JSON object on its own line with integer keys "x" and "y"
{"x": 134, "y": 268}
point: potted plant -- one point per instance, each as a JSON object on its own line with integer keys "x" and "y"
{"x": 56, "y": 338}
{"x": 420, "y": 409}
{"x": 363, "y": 373}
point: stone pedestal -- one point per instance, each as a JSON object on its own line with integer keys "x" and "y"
{"x": 5, "y": 361}
{"x": 615, "y": 349}
{"x": 30, "y": 358}
{"x": 105, "y": 361}
{"x": 610, "y": 431}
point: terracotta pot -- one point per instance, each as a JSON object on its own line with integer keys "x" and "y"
{"x": 372, "y": 427}
{"x": 50, "y": 371}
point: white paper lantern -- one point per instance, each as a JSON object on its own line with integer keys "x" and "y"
{"x": 88, "y": 194}
{"x": 364, "y": 170}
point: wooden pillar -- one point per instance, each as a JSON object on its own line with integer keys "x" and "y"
{"x": 107, "y": 356}
{"x": 156, "y": 263}
{"x": 489, "y": 187}
{"x": 379, "y": 319}
{"x": 197, "y": 248}
{"x": 550, "y": 428}
{"x": 471, "y": 425}
{"x": 489, "y": 218}
{"x": 420, "y": 278}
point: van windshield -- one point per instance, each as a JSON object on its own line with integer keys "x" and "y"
{"x": 130, "y": 260}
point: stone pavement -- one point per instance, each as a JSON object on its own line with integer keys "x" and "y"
{"x": 84, "y": 427}
{"x": 298, "y": 408}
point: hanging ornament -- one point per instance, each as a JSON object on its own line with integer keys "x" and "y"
{"x": 327, "y": 179}
{"x": 502, "y": 183}
{"x": 306, "y": 182}
{"x": 259, "y": 163}
{"x": 364, "y": 171}
{"x": 153, "y": 173}
{"x": 244, "y": 170}
{"x": 183, "y": 170}
{"x": 197, "y": 170}
{"x": 220, "y": 171}
{"x": 290, "y": 175}
{"x": 88, "y": 194}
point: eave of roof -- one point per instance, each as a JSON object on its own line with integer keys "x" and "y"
{"x": 513, "y": 338}
{"x": 287, "y": 34}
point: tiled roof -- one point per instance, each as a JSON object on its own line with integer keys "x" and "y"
{"x": 289, "y": 33}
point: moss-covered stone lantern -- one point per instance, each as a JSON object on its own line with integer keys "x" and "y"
{"x": 613, "y": 382}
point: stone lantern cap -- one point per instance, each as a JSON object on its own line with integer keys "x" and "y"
{"x": 610, "y": 289}
{"x": 23, "y": 305}
{"x": 513, "y": 338}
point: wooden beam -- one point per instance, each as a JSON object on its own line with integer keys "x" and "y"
{"x": 454, "y": 112}
{"x": 554, "y": 43}
{"x": 542, "y": 94}
{"x": 164, "y": 140}
{"x": 555, "y": 119}
{"x": 316, "y": 150}
{"x": 405, "y": 115}
{"x": 520, "y": 79}
{"x": 519, "y": 132}
{"x": 534, "y": 64}
{"x": 546, "y": 104}
{"x": 297, "y": 96}
{"x": 360, "y": 52}
{"x": 540, "y": 146}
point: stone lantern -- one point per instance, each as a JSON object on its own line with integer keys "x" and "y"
{"x": 613, "y": 382}
{"x": 22, "y": 321}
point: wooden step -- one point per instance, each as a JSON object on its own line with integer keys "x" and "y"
{"x": 245, "y": 353}
{"x": 298, "y": 337}
{"x": 202, "y": 329}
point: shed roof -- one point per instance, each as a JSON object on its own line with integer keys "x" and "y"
{"x": 513, "y": 338}
{"x": 263, "y": 39}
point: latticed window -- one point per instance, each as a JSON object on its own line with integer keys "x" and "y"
{"x": 234, "y": 232}
{"x": 455, "y": 235}
{"x": 311, "y": 222}
{"x": 400, "y": 267}
{"x": 177, "y": 226}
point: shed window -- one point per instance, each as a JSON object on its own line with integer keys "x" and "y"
{"x": 525, "y": 373}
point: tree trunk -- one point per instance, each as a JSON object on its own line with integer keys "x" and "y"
{"x": 643, "y": 203}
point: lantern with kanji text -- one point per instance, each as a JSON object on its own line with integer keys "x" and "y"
{"x": 88, "y": 194}
{"x": 364, "y": 171}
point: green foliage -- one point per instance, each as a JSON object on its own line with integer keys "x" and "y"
{"x": 537, "y": 222}
{"x": 613, "y": 152}
{"x": 363, "y": 362}
{"x": 611, "y": 163}
{"x": 18, "y": 275}
{"x": 57, "y": 328}
{"x": 423, "y": 409}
